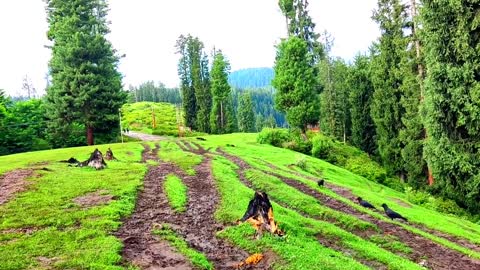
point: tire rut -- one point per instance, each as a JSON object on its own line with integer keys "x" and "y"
{"x": 435, "y": 255}
{"x": 196, "y": 225}
{"x": 330, "y": 243}
{"x": 346, "y": 193}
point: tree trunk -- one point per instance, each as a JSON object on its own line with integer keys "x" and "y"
{"x": 221, "y": 116}
{"x": 420, "y": 75}
{"x": 90, "y": 140}
{"x": 417, "y": 47}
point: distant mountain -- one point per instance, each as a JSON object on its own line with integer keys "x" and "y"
{"x": 251, "y": 78}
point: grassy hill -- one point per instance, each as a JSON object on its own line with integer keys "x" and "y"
{"x": 177, "y": 205}
{"x": 139, "y": 117}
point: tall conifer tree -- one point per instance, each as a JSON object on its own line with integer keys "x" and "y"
{"x": 246, "y": 115}
{"x": 296, "y": 84}
{"x": 387, "y": 78}
{"x": 360, "y": 96}
{"x": 222, "y": 119}
{"x": 194, "y": 80}
{"x": 86, "y": 86}
{"x": 452, "y": 98}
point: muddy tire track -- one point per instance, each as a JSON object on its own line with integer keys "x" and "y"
{"x": 346, "y": 193}
{"x": 196, "y": 225}
{"x": 327, "y": 242}
{"x": 435, "y": 255}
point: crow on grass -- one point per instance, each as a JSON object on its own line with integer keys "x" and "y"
{"x": 392, "y": 214}
{"x": 321, "y": 182}
{"x": 364, "y": 203}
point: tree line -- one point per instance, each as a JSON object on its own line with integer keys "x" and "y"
{"x": 411, "y": 102}
{"x": 210, "y": 103}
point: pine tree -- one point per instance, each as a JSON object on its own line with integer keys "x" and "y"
{"x": 300, "y": 24}
{"x": 360, "y": 97}
{"x": 222, "y": 119}
{"x": 386, "y": 110}
{"x": 413, "y": 133}
{"x": 86, "y": 86}
{"x": 451, "y": 38}
{"x": 246, "y": 116}
{"x": 296, "y": 84}
{"x": 334, "y": 108}
{"x": 194, "y": 80}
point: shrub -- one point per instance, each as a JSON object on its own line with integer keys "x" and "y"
{"x": 301, "y": 162}
{"x": 273, "y": 136}
{"x": 321, "y": 146}
{"x": 352, "y": 159}
{"x": 367, "y": 168}
{"x": 438, "y": 204}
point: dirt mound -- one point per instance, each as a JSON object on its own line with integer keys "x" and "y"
{"x": 13, "y": 182}
{"x": 196, "y": 225}
{"x": 94, "y": 198}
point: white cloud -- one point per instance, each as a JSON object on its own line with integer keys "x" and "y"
{"x": 146, "y": 31}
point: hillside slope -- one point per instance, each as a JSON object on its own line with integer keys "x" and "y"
{"x": 140, "y": 116}
{"x": 175, "y": 203}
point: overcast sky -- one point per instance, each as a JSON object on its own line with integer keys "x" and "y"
{"x": 146, "y": 31}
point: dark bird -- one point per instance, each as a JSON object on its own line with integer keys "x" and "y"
{"x": 321, "y": 182}
{"x": 364, "y": 203}
{"x": 201, "y": 139}
{"x": 392, "y": 214}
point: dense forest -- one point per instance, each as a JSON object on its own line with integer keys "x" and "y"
{"x": 411, "y": 102}
{"x": 251, "y": 78}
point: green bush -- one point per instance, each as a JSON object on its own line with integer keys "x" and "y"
{"x": 301, "y": 162}
{"x": 274, "y": 136}
{"x": 321, "y": 146}
{"x": 352, "y": 159}
{"x": 367, "y": 168}
{"x": 438, "y": 204}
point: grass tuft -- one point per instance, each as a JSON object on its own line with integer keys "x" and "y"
{"x": 176, "y": 192}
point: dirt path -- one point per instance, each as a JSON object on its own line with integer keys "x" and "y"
{"x": 197, "y": 225}
{"x": 13, "y": 182}
{"x": 143, "y": 136}
{"x": 435, "y": 255}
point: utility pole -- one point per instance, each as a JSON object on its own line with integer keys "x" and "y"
{"x": 154, "y": 124}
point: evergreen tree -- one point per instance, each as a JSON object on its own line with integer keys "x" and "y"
{"x": 194, "y": 80}
{"x": 386, "y": 110}
{"x": 296, "y": 84}
{"x": 203, "y": 95}
{"x": 246, "y": 116}
{"x": 86, "y": 86}
{"x": 232, "y": 121}
{"x": 413, "y": 133}
{"x": 360, "y": 97}
{"x": 259, "y": 122}
{"x": 300, "y": 24}
{"x": 149, "y": 91}
{"x": 222, "y": 119}
{"x": 451, "y": 38}
{"x": 334, "y": 103}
